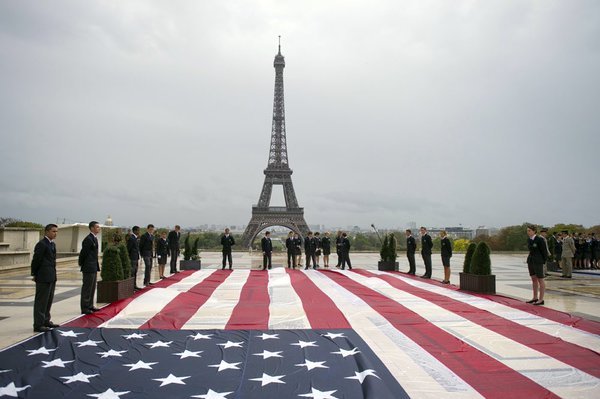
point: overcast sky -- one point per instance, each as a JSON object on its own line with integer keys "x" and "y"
{"x": 437, "y": 112}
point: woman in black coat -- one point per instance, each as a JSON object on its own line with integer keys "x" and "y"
{"x": 162, "y": 251}
{"x": 326, "y": 246}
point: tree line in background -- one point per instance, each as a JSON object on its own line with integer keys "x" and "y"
{"x": 510, "y": 238}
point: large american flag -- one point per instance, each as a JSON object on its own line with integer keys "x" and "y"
{"x": 308, "y": 334}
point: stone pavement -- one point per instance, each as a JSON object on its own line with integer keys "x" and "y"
{"x": 579, "y": 296}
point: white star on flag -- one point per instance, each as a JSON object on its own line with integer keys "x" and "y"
{"x": 230, "y": 344}
{"x": 40, "y": 351}
{"x": 269, "y": 379}
{"x": 346, "y": 353}
{"x": 224, "y": 365}
{"x": 213, "y": 395}
{"x": 111, "y": 353}
{"x": 171, "y": 379}
{"x": 4, "y": 371}
{"x": 88, "y": 343}
{"x": 312, "y": 365}
{"x": 56, "y": 363}
{"x": 134, "y": 336}
{"x": 304, "y": 344}
{"x": 159, "y": 344}
{"x": 187, "y": 353}
{"x": 140, "y": 365}
{"x": 200, "y": 336}
{"x": 316, "y": 394}
{"x": 265, "y": 336}
{"x": 69, "y": 334}
{"x": 334, "y": 335}
{"x": 12, "y": 390}
{"x": 81, "y": 377}
{"x": 108, "y": 394}
{"x": 266, "y": 354}
{"x": 362, "y": 375}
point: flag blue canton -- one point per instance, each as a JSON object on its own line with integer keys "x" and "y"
{"x": 121, "y": 363}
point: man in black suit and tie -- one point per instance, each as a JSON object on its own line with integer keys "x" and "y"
{"x": 411, "y": 247}
{"x": 133, "y": 248}
{"x": 267, "y": 250}
{"x": 43, "y": 270}
{"x": 346, "y": 252}
{"x": 426, "y": 247}
{"x": 173, "y": 240}
{"x": 538, "y": 254}
{"x": 146, "y": 251}
{"x": 227, "y": 242}
{"x": 88, "y": 262}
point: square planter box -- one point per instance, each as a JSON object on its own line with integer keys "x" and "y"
{"x": 189, "y": 264}
{"x": 387, "y": 266}
{"x": 111, "y": 291}
{"x": 477, "y": 283}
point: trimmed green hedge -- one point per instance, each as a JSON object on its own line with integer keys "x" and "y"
{"x": 468, "y": 257}
{"x": 125, "y": 262}
{"x": 388, "y": 248}
{"x": 481, "y": 263}
{"x": 111, "y": 264}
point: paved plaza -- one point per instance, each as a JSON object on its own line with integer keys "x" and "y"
{"x": 579, "y": 296}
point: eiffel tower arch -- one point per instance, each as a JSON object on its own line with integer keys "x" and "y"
{"x": 278, "y": 172}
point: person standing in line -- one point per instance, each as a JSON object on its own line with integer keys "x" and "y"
{"x": 538, "y": 254}
{"x": 411, "y": 247}
{"x": 338, "y": 248}
{"x": 326, "y": 245}
{"x": 346, "y": 251}
{"x": 568, "y": 251}
{"x": 43, "y": 272}
{"x": 446, "y": 245}
{"x": 133, "y": 249}
{"x": 89, "y": 266}
{"x": 558, "y": 248}
{"x": 267, "y": 250}
{"x": 317, "y": 240}
{"x": 146, "y": 251}
{"x": 595, "y": 252}
{"x": 173, "y": 240}
{"x": 298, "y": 250}
{"x": 227, "y": 242}
{"x": 310, "y": 250}
{"x": 578, "y": 251}
{"x": 426, "y": 247}
{"x": 289, "y": 246}
{"x": 162, "y": 252}
{"x": 544, "y": 235}
{"x": 587, "y": 252}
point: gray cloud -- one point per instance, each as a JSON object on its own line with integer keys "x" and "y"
{"x": 435, "y": 112}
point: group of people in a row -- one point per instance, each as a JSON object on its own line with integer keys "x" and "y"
{"x": 426, "y": 250}
{"x": 582, "y": 249}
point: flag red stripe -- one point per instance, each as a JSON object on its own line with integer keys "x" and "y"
{"x": 252, "y": 311}
{"x": 108, "y": 312}
{"x": 571, "y": 354}
{"x": 320, "y": 309}
{"x": 177, "y": 312}
{"x": 485, "y": 374}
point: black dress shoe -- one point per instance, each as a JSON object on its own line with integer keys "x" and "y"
{"x": 136, "y": 288}
{"x": 94, "y": 309}
{"x": 87, "y": 312}
{"x": 538, "y": 303}
{"x": 425, "y": 276}
{"x": 531, "y": 300}
{"x": 41, "y": 329}
{"x": 52, "y": 325}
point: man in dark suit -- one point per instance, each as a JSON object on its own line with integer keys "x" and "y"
{"x": 88, "y": 262}
{"x": 538, "y": 254}
{"x": 411, "y": 247}
{"x": 426, "y": 247}
{"x": 310, "y": 249}
{"x": 446, "y": 246}
{"x": 345, "y": 251}
{"x": 146, "y": 251}
{"x": 267, "y": 250}
{"x": 338, "y": 248}
{"x": 227, "y": 242}
{"x": 43, "y": 270}
{"x": 133, "y": 248}
{"x": 173, "y": 240}
{"x": 289, "y": 245}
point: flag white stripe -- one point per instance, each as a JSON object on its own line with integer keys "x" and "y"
{"x": 217, "y": 310}
{"x": 518, "y": 357}
{"x": 553, "y": 328}
{"x": 285, "y": 308}
{"x": 419, "y": 373}
{"x": 147, "y": 305}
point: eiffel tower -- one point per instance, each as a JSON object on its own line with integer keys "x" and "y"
{"x": 278, "y": 172}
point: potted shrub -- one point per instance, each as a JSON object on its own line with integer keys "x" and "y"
{"x": 191, "y": 259}
{"x": 479, "y": 278}
{"x": 388, "y": 254}
{"x": 468, "y": 257}
{"x": 113, "y": 285}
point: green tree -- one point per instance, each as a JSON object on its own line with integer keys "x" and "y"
{"x": 468, "y": 257}
{"x": 112, "y": 270}
{"x": 461, "y": 244}
{"x": 481, "y": 263}
{"x": 125, "y": 262}
{"x": 388, "y": 248}
{"x": 187, "y": 248}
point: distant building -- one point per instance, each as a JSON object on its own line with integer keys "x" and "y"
{"x": 482, "y": 231}
{"x": 453, "y": 232}
{"x": 109, "y": 221}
